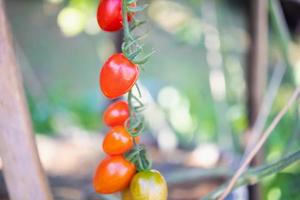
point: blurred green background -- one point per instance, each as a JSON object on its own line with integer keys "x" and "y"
{"x": 196, "y": 77}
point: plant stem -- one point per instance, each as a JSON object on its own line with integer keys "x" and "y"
{"x": 126, "y": 37}
{"x": 125, "y": 21}
{"x": 284, "y": 40}
{"x": 260, "y": 143}
{"x": 131, "y": 46}
{"x": 280, "y": 28}
{"x": 186, "y": 175}
{"x": 256, "y": 174}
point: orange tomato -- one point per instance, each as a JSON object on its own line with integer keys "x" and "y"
{"x": 116, "y": 114}
{"x": 117, "y": 141}
{"x": 113, "y": 174}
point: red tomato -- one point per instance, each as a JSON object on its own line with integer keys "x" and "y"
{"x": 117, "y": 141}
{"x": 109, "y": 15}
{"x": 117, "y": 76}
{"x": 113, "y": 174}
{"x": 116, "y": 114}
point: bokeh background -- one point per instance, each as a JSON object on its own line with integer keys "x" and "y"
{"x": 194, "y": 85}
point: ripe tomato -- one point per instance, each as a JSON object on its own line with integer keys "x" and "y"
{"x": 116, "y": 114}
{"x": 117, "y": 141}
{"x": 113, "y": 174}
{"x": 118, "y": 75}
{"x": 109, "y": 15}
{"x": 148, "y": 185}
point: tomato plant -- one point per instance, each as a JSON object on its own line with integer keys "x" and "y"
{"x": 116, "y": 114}
{"x": 109, "y": 15}
{"x": 117, "y": 141}
{"x": 117, "y": 76}
{"x": 113, "y": 174}
{"x": 148, "y": 185}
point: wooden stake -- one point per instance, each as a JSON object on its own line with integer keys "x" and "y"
{"x": 257, "y": 71}
{"x": 24, "y": 176}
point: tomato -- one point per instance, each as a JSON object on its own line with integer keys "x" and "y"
{"x": 148, "y": 185}
{"x": 117, "y": 76}
{"x": 116, "y": 114}
{"x": 113, "y": 174}
{"x": 109, "y": 15}
{"x": 126, "y": 194}
{"x": 117, "y": 141}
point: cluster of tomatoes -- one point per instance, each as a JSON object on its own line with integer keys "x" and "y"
{"x": 123, "y": 170}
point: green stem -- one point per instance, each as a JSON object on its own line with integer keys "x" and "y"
{"x": 255, "y": 175}
{"x": 280, "y": 27}
{"x": 125, "y": 21}
{"x": 131, "y": 46}
{"x": 129, "y": 100}
{"x": 186, "y": 175}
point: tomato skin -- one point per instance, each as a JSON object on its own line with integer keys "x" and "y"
{"x": 113, "y": 174}
{"x": 117, "y": 141}
{"x": 148, "y": 185}
{"x": 118, "y": 75}
{"x": 126, "y": 194}
{"x": 109, "y": 15}
{"x": 116, "y": 114}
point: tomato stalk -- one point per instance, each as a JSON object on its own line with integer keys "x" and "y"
{"x": 131, "y": 49}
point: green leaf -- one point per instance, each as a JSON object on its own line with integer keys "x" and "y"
{"x": 257, "y": 174}
{"x": 145, "y": 59}
{"x": 135, "y": 41}
{"x": 136, "y": 24}
{"x": 140, "y": 109}
{"x": 138, "y": 100}
{"x": 123, "y": 47}
{"x": 135, "y": 125}
{"x": 133, "y": 55}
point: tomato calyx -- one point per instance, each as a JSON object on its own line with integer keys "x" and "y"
{"x": 135, "y": 125}
{"x": 138, "y": 156}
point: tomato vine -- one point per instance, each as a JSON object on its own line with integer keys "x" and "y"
{"x": 118, "y": 76}
{"x": 131, "y": 48}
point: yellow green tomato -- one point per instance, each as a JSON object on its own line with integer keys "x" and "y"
{"x": 126, "y": 194}
{"x": 148, "y": 185}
